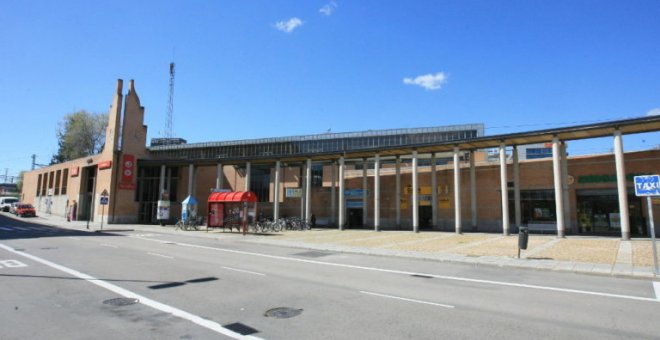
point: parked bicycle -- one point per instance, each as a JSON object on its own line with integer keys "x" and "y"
{"x": 190, "y": 224}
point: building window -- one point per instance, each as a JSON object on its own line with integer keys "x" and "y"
{"x": 317, "y": 176}
{"x": 39, "y": 185}
{"x": 58, "y": 180}
{"x": 65, "y": 181}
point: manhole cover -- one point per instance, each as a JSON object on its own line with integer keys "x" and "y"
{"x": 283, "y": 312}
{"x": 121, "y": 302}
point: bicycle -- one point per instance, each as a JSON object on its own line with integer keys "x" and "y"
{"x": 190, "y": 224}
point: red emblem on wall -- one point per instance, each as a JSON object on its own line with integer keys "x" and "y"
{"x": 127, "y": 172}
{"x": 75, "y": 171}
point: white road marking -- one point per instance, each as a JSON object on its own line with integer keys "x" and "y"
{"x": 12, "y": 264}
{"x": 74, "y": 238}
{"x": 409, "y": 300}
{"x": 656, "y": 288}
{"x": 161, "y": 255}
{"x": 443, "y": 277}
{"x": 143, "y": 300}
{"x": 109, "y": 245}
{"x": 243, "y": 271}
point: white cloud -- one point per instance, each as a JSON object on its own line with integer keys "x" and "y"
{"x": 328, "y": 8}
{"x": 288, "y": 26}
{"x": 654, "y": 112}
{"x": 428, "y": 81}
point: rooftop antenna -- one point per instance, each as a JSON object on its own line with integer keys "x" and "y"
{"x": 170, "y": 105}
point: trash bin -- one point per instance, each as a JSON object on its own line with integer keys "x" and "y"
{"x": 523, "y": 236}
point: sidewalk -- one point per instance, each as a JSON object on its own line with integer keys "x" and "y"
{"x": 582, "y": 254}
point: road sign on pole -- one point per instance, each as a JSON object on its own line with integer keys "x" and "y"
{"x": 105, "y": 199}
{"x": 649, "y": 186}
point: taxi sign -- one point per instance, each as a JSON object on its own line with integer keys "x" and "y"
{"x": 647, "y": 185}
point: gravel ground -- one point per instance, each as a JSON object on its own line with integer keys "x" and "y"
{"x": 586, "y": 250}
{"x": 597, "y": 250}
{"x": 643, "y": 253}
{"x": 507, "y": 246}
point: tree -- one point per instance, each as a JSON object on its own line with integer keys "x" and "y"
{"x": 80, "y": 134}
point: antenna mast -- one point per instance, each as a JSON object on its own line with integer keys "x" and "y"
{"x": 170, "y": 105}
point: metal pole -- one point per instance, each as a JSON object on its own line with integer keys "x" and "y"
{"x": 102, "y": 213}
{"x": 649, "y": 203}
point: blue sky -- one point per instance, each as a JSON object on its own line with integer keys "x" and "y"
{"x": 251, "y": 69}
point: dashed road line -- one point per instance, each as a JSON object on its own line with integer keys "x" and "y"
{"x": 109, "y": 245}
{"x": 244, "y": 271}
{"x": 161, "y": 255}
{"x": 656, "y": 288}
{"x": 407, "y": 299}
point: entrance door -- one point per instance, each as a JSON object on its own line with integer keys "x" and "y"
{"x": 355, "y": 218}
{"x": 425, "y": 217}
{"x": 87, "y": 193}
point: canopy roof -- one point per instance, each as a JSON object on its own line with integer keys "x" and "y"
{"x": 233, "y": 196}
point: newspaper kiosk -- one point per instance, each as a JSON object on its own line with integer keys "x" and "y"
{"x": 235, "y": 209}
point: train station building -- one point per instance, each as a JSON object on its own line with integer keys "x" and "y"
{"x": 446, "y": 178}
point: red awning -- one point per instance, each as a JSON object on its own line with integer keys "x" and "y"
{"x": 233, "y": 196}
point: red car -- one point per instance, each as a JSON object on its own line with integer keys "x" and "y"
{"x": 24, "y": 210}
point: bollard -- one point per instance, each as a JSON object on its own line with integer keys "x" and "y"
{"x": 523, "y": 237}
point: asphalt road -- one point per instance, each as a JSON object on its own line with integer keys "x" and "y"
{"x": 59, "y": 283}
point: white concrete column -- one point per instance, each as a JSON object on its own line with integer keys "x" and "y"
{"x": 248, "y": 171}
{"x": 219, "y": 177}
{"x": 161, "y": 182}
{"x": 415, "y": 196}
{"x": 333, "y": 193}
{"x": 473, "y": 191}
{"x": 457, "y": 192}
{"x": 559, "y": 197}
{"x": 504, "y": 190}
{"x": 564, "y": 181}
{"x": 397, "y": 190}
{"x": 276, "y": 194}
{"x": 303, "y": 185}
{"x": 516, "y": 188}
{"x": 621, "y": 186}
{"x": 377, "y": 193}
{"x": 342, "y": 202}
{"x": 308, "y": 191}
{"x": 191, "y": 176}
{"x": 365, "y": 187}
{"x": 434, "y": 191}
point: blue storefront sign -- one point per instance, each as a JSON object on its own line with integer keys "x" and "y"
{"x": 355, "y": 192}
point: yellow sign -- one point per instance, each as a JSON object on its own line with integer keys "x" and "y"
{"x": 421, "y": 190}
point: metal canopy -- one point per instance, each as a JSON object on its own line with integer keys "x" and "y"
{"x": 602, "y": 129}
